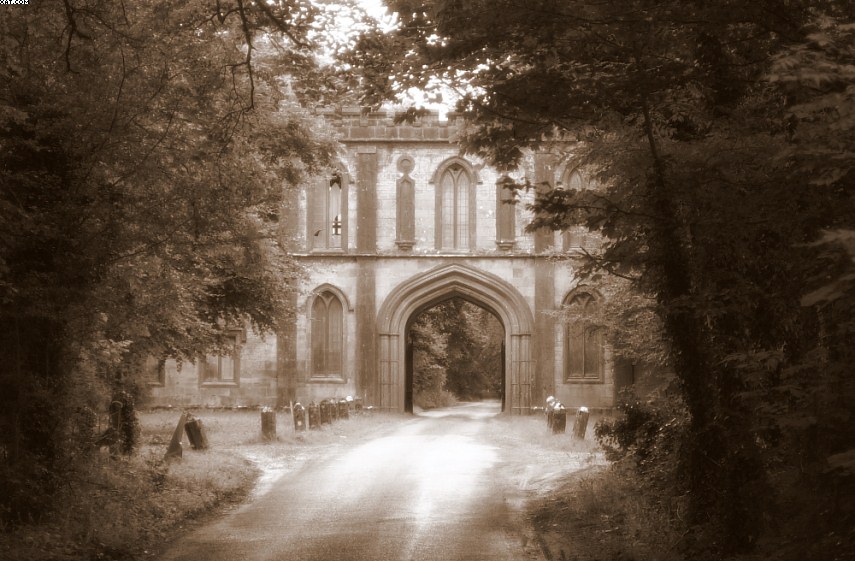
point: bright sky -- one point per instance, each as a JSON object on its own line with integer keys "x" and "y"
{"x": 378, "y": 10}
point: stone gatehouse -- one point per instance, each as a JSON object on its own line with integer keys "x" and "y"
{"x": 400, "y": 224}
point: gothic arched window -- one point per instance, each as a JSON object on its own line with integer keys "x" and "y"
{"x": 583, "y": 342}
{"x": 327, "y": 221}
{"x": 576, "y": 236}
{"x": 327, "y": 335}
{"x": 455, "y": 204}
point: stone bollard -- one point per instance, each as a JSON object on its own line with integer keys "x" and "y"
{"x": 268, "y": 424}
{"x": 314, "y": 415}
{"x": 580, "y": 423}
{"x": 343, "y": 409}
{"x": 175, "y": 450}
{"x": 196, "y": 433}
{"x": 559, "y": 418}
{"x": 326, "y": 412}
{"x": 549, "y": 410}
{"x": 298, "y": 412}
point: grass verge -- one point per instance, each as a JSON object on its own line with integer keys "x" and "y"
{"x": 129, "y": 508}
{"x": 598, "y": 514}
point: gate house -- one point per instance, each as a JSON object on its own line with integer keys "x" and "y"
{"x": 400, "y": 224}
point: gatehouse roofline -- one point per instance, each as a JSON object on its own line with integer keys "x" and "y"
{"x": 355, "y": 125}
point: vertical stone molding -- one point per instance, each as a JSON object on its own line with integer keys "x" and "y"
{"x": 406, "y": 205}
{"x": 543, "y": 179}
{"x": 366, "y": 200}
{"x": 505, "y": 213}
{"x": 366, "y": 339}
{"x": 544, "y": 329}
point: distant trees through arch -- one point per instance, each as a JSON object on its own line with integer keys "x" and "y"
{"x": 457, "y": 348}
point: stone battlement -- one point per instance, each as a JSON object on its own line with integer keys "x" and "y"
{"x": 379, "y": 126}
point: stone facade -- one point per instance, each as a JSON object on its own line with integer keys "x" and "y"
{"x": 401, "y": 224}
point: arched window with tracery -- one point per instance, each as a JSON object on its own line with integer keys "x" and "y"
{"x": 455, "y": 188}
{"x": 583, "y": 341}
{"x": 327, "y": 216}
{"x": 327, "y": 335}
{"x": 577, "y": 236}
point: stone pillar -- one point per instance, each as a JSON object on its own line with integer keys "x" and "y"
{"x": 366, "y": 327}
{"x": 544, "y": 181}
{"x": 388, "y": 389}
{"x": 366, "y": 200}
{"x": 286, "y": 332}
{"x": 366, "y": 247}
{"x": 544, "y": 293}
{"x": 544, "y": 330}
{"x": 519, "y": 396}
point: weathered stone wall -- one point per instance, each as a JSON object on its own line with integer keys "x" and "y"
{"x": 371, "y": 265}
{"x": 256, "y": 384}
{"x": 542, "y": 282}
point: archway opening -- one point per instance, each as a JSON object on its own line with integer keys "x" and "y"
{"x": 455, "y": 352}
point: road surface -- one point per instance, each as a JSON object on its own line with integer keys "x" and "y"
{"x": 431, "y": 489}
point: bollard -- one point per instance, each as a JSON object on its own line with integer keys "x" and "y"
{"x": 268, "y": 424}
{"x": 299, "y": 414}
{"x": 343, "y": 412}
{"x": 550, "y": 402}
{"x": 175, "y": 450}
{"x": 357, "y": 404}
{"x": 196, "y": 433}
{"x": 559, "y": 418}
{"x": 314, "y": 414}
{"x": 325, "y": 413}
{"x": 331, "y": 403}
{"x": 580, "y": 423}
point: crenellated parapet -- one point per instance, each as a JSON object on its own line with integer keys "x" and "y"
{"x": 356, "y": 125}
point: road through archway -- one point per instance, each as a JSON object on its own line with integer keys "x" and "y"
{"x": 428, "y": 289}
{"x": 422, "y": 489}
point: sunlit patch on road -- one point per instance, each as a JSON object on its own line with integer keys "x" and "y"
{"x": 473, "y": 410}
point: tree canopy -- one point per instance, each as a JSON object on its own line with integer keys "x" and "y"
{"x": 145, "y": 153}
{"x": 457, "y": 350}
{"x": 720, "y": 136}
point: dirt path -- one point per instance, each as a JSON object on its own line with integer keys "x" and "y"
{"x": 451, "y": 484}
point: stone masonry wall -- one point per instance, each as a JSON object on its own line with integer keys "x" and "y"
{"x": 256, "y": 384}
{"x": 369, "y": 274}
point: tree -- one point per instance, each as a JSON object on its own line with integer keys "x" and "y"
{"x": 457, "y": 349}
{"x": 430, "y": 360}
{"x": 710, "y": 127}
{"x": 146, "y": 149}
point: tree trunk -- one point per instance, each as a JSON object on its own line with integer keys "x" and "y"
{"x": 716, "y": 486}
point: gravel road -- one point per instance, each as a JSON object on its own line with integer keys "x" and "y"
{"x": 438, "y": 486}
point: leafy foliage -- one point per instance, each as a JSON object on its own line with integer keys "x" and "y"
{"x": 720, "y": 137}
{"x": 457, "y": 349}
{"x": 146, "y": 149}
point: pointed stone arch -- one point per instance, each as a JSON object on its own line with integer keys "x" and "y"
{"x": 432, "y": 287}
